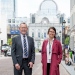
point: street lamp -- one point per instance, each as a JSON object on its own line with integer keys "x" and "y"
{"x": 63, "y": 38}
{"x": 63, "y": 31}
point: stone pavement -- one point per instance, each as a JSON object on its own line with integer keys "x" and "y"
{"x": 70, "y": 69}
{"x": 2, "y": 57}
{"x": 6, "y": 66}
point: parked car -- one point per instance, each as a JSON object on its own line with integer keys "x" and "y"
{"x": 4, "y": 49}
{"x": 9, "y": 51}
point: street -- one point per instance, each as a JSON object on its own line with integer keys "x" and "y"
{"x": 6, "y": 66}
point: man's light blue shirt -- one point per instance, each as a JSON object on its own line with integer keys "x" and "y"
{"x": 23, "y": 45}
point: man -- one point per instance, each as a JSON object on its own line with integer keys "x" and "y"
{"x": 23, "y": 52}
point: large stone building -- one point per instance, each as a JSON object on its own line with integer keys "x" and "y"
{"x": 46, "y": 17}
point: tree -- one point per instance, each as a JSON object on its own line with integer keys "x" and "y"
{"x": 9, "y": 41}
{"x": 67, "y": 40}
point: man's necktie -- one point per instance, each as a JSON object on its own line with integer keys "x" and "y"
{"x": 25, "y": 47}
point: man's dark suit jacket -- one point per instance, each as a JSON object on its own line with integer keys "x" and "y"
{"x": 17, "y": 50}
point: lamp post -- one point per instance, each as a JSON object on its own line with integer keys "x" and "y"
{"x": 63, "y": 38}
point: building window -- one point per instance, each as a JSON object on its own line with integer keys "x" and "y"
{"x": 61, "y": 19}
{"x": 33, "y": 19}
{"x": 13, "y": 20}
{"x": 17, "y": 21}
{"x": 9, "y": 20}
{"x": 45, "y": 21}
{"x": 39, "y": 34}
{"x": 44, "y": 34}
{"x": 16, "y": 27}
{"x": 12, "y": 27}
{"x": 68, "y": 20}
{"x": 32, "y": 34}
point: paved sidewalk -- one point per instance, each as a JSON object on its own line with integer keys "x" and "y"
{"x": 6, "y": 66}
{"x": 70, "y": 69}
{"x": 3, "y": 57}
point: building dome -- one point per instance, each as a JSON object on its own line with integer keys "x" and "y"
{"x": 48, "y": 6}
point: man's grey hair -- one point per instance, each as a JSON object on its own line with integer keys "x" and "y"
{"x": 22, "y": 23}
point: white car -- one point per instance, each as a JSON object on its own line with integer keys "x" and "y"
{"x": 9, "y": 52}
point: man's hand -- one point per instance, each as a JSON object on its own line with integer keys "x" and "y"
{"x": 17, "y": 66}
{"x": 30, "y": 64}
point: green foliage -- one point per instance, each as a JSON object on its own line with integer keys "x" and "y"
{"x": 9, "y": 41}
{"x": 67, "y": 40}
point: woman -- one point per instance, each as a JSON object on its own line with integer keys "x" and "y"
{"x": 51, "y": 54}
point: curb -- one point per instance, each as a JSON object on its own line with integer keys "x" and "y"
{"x": 69, "y": 69}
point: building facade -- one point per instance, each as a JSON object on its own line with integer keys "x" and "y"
{"x": 47, "y": 16}
{"x": 13, "y": 26}
{"x": 7, "y": 10}
{"x": 72, "y": 24}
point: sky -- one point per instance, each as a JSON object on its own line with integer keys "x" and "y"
{"x": 25, "y": 7}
